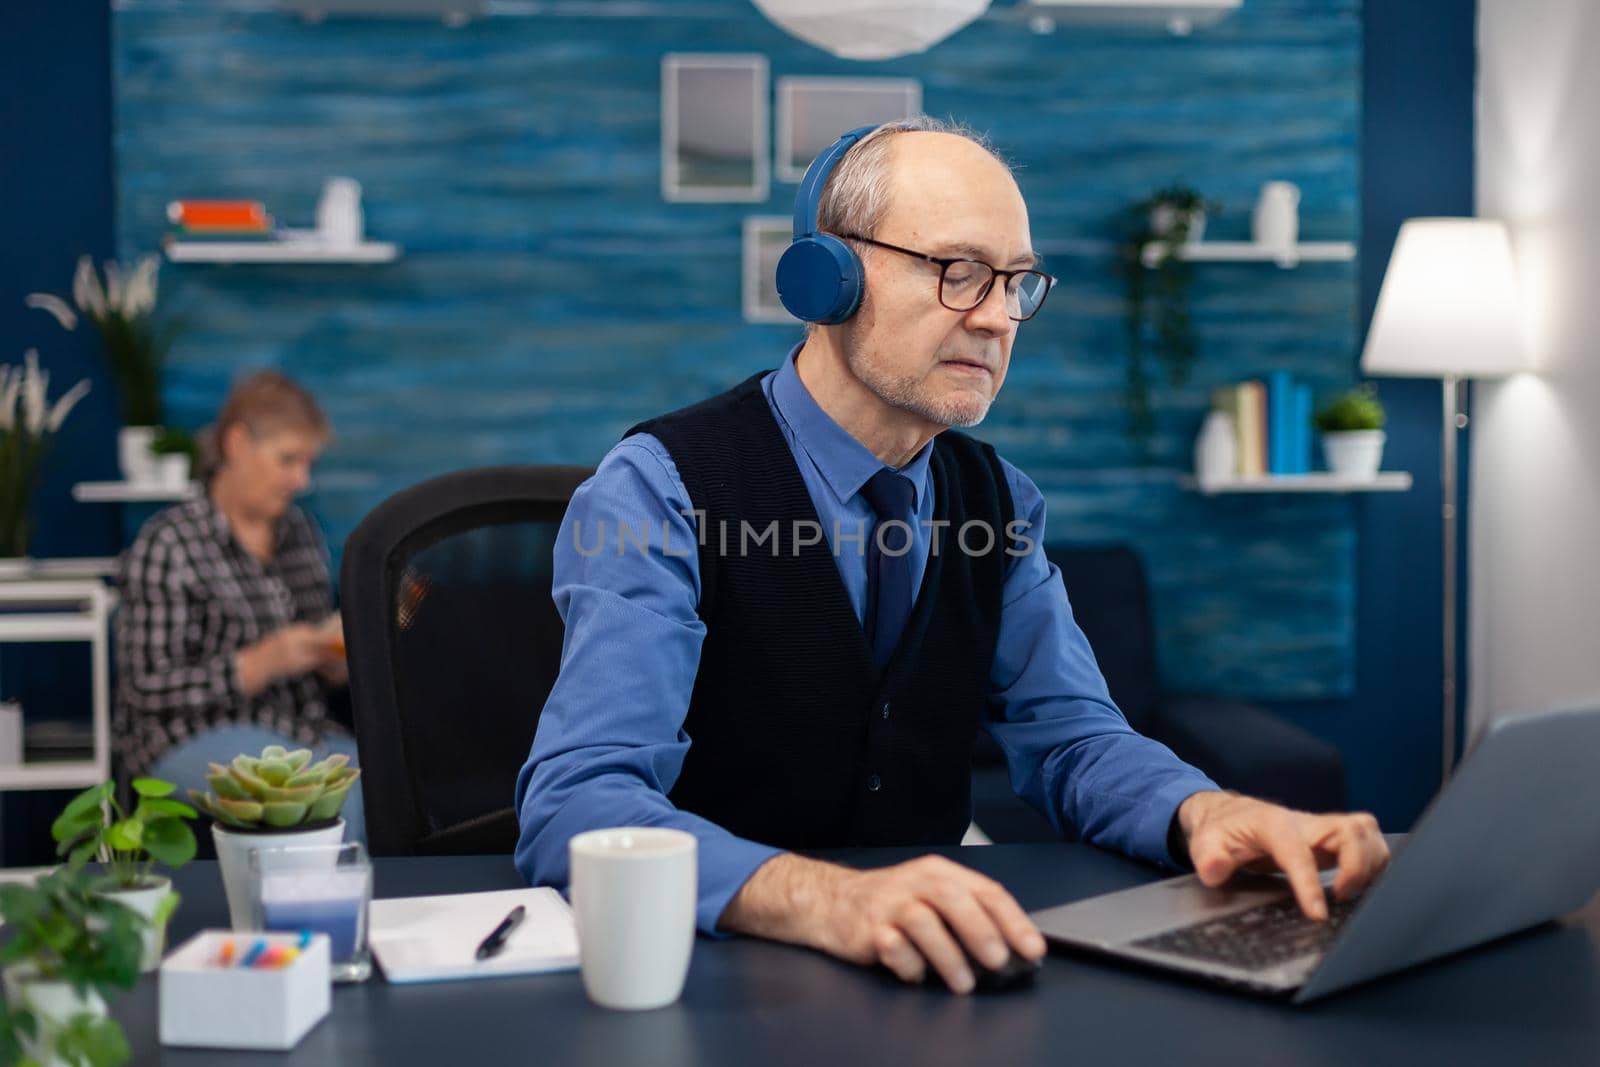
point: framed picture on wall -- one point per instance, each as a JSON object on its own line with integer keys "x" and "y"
{"x": 714, "y": 120}
{"x": 765, "y": 238}
{"x": 813, "y": 112}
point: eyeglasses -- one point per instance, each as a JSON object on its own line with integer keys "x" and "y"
{"x": 965, "y": 283}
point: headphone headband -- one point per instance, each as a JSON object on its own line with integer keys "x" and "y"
{"x": 820, "y": 278}
{"x": 808, "y": 200}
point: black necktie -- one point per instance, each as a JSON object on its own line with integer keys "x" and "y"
{"x": 888, "y": 573}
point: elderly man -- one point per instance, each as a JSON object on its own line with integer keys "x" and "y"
{"x": 818, "y": 593}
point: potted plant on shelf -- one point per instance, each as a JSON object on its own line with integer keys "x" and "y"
{"x": 279, "y": 799}
{"x": 1352, "y": 433}
{"x": 175, "y": 453}
{"x": 122, "y": 308}
{"x": 28, "y": 425}
{"x": 70, "y": 949}
{"x": 1158, "y": 281}
{"x": 130, "y": 844}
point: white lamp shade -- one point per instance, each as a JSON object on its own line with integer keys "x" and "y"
{"x": 872, "y": 29}
{"x": 1449, "y": 306}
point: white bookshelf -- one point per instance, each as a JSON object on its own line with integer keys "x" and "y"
{"x": 63, "y": 610}
{"x": 1249, "y": 252}
{"x": 1322, "y": 482}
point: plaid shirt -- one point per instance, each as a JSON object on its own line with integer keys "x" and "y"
{"x": 191, "y": 598}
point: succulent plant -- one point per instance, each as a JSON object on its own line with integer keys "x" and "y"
{"x": 276, "y": 790}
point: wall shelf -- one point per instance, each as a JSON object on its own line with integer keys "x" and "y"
{"x": 1249, "y": 251}
{"x": 132, "y": 493}
{"x": 1322, "y": 482}
{"x": 293, "y": 249}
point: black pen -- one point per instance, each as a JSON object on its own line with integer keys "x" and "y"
{"x": 502, "y": 933}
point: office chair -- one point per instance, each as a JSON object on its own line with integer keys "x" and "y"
{"x": 453, "y": 644}
{"x": 1239, "y": 745}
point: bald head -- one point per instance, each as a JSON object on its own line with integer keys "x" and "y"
{"x": 857, "y": 194}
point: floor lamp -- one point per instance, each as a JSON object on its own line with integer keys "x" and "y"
{"x": 1449, "y": 309}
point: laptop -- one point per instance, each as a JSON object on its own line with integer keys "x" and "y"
{"x": 1512, "y": 841}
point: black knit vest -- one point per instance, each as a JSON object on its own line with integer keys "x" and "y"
{"x": 796, "y": 739}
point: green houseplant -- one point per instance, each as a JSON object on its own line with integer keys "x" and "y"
{"x": 28, "y": 426}
{"x": 70, "y": 949}
{"x": 122, "y": 306}
{"x": 130, "y": 844}
{"x": 1352, "y": 432}
{"x": 278, "y": 799}
{"x": 1158, "y": 281}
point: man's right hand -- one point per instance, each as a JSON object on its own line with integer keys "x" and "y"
{"x": 907, "y": 917}
{"x": 284, "y": 653}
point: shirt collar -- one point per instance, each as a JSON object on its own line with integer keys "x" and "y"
{"x": 844, "y": 462}
{"x": 223, "y": 531}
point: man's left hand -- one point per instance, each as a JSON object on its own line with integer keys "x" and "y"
{"x": 1227, "y": 832}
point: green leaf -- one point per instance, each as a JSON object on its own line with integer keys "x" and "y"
{"x": 282, "y": 813}
{"x": 170, "y": 842}
{"x": 299, "y": 758}
{"x": 88, "y": 800}
{"x": 224, "y": 784}
{"x": 153, "y": 787}
{"x": 162, "y": 808}
{"x": 94, "y": 1040}
{"x": 274, "y": 752}
{"x": 240, "y": 811}
{"x": 126, "y": 835}
{"x": 83, "y": 853}
{"x": 274, "y": 772}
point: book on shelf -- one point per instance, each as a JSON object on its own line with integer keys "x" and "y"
{"x": 230, "y": 216}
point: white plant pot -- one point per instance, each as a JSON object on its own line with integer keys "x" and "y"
{"x": 233, "y": 855}
{"x": 53, "y": 1004}
{"x": 1354, "y": 454}
{"x": 172, "y": 471}
{"x": 134, "y": 456}
{"x": 145, "y": 900}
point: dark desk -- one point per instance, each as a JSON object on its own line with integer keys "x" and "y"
{"x": 1529, "y": 999}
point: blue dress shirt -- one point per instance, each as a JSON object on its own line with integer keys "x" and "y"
{"x": 611, "y": 743}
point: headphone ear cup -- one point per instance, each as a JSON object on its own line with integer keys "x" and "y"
{"x": 820, "y": 279}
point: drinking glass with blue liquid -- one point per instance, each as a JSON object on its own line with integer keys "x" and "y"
{"x": 323, "y": 888}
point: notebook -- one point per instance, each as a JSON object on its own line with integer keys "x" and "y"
{"x": 432, "y": 939}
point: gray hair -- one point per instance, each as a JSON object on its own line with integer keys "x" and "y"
{"x": 856, "y": 195}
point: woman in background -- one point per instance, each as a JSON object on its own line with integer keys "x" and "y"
{"x": 226, "y": 639}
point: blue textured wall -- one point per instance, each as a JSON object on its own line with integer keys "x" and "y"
{"x": 548, "y": 297}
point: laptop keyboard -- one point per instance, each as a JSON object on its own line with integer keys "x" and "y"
{"x": 1257, "y": 939}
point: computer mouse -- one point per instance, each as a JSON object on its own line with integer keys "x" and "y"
{"x": 1015, "y": 973}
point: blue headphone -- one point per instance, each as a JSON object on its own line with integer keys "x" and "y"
{"x": 820, "y": 278}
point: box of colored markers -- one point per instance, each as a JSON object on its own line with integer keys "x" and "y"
{"x": 228, "y": 989}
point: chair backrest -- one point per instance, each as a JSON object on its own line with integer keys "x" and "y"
{"x": 1111, "y": 602}
{"x": 453, "y": 644}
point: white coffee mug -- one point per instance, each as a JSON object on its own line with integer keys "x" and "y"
{"x": 633, "y": 894}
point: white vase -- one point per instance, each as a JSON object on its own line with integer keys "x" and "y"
{"x": 233, "y": 855}
{"x": 145, "y": 900}
{"x": 53, "y": 1004}
{"x": 1216, "y": 449}
{"x": 1354, "y": 454}
{"x": 134, "y": 456}
{"x": 1276, "y": 220}
{"x": 339, "y": 219}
